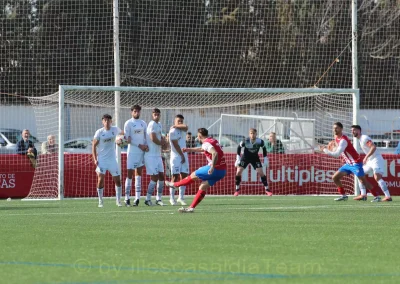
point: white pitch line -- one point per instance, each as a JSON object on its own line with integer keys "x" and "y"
{"x": 205, "y": 210}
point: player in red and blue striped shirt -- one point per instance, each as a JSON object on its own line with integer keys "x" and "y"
{"x": 353, "y": 162}
{"x": 209, "y": 174}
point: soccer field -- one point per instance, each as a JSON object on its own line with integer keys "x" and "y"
{"x": 279, "y": 239}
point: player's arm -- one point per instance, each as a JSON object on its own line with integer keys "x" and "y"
{"x": 144, "y": 135}
{"x": 127, "y": 132}
{"x": 238, "y": 152}
{"x": 372, "y": 149}
{"x": 193, "y": 150}
{"x": 154, "y": 138}
{"x": 214, "y": 159}
{"x": 339, "y": 150}
{"x": 94, "y": 150}
{"x": 182, "y": 127}
{"x": 178, "y": 149}
{"x": 264, "y": 149}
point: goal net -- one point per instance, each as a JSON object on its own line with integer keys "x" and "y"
{"x": 301, "y": 118}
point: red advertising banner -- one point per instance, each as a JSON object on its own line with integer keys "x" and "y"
{"x": 287, "y": 174}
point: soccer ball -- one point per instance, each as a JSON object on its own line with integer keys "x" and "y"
{"x": 121, "y": 141}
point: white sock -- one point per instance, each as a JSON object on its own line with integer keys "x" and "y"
{"x": 363, "y": 190}
{"x": 237, "y": 187}
{"x": 118, "y": 193}
{"x": 160, "y": 188}
{"x": 182, "y": 191}
{"x": 383, "y": 186}
{"x": 138, "y": 186}
{"x": 128, "y": 185}
{"x": 150, "y": 189}
{"x": 100, "y": 194}
{"x": 171, "y": 193}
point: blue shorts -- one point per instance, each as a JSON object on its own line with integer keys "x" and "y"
{"x": 356, "y": 169}
{"x": 202, "y": 173}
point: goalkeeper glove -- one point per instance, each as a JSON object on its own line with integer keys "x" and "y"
{"x": 237, "y": 160}
{"x": 266, "y": 162}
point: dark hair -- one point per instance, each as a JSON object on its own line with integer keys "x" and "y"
{"x": 156, "y": 110}
{"x": 189, "y": 133}
{"x": 106, "y": 116}
{"x": 253, "y": 129}
{"x": 136, "y": 107}
{"x": 203, "y": 132}
{"x": 338, "y": 124}
{"x": 179, "y": 116}
{"x": 356, "y": 126}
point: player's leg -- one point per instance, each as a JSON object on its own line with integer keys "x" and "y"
{"x": 138, "y": 185}
{"x": 201, "y": 193}
{"x": 114, "y": 171}
{"x": 100, "y": 171}
{"x": 238, "y": 179}
{"x": 184, "y": 173}
{"x": 377, "y": 168}
{"x": 100, "y": 187}
{"x": 259, "y": 169}
{"x": 174, "y": 178}
{"x": 152, "y": 171}
{"x": 382, "y": 184}
{"x": 128, "y": 181}
{"x": 337, "y": 179}
{"x": 363, "y": 189}
{"x": 358, "y": 171}
{"x": 186, "y": 181}
{"x": 207, "y": 181}
{"x": 175, "y": 172}
{"x": 150, "y": 189}
{"x": 367, "y": 169}
{"x": 182, "y": 188}
{"x": 118, "y": 190}
{"x": 160, "y": 188}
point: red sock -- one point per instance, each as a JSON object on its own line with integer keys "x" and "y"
{"x": 341, "y": 190}
{"x": 198, "y": 198}
{"x": 185, "y": 181}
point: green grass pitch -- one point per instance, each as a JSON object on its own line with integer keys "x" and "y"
{"x": 279, "y": 239}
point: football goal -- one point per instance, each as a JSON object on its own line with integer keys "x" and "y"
{"x": 301, "y": 118}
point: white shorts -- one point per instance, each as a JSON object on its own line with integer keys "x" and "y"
{"x": 111, "y": 166}
{"x": 376, "y": 166}
{"x": 134, "y": 160}
{"x": 154, "y": 165}
{"x": 177, "y": 167}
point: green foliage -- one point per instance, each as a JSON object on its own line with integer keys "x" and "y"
{"x": 216, "y": 43}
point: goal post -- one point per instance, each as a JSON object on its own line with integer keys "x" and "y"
{"x": 74, "y": 113}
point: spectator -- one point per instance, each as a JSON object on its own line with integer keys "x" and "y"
{"x": 26, "y": 146}
{"x": 397, "y": 151}
{"x": 190, "y": 142}
{"x": 50, "y": 146}
{"x": 274, "y": 145}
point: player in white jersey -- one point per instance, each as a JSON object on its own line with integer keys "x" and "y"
{"x": 104, "y": 157}
{"x": 373, "y": 162}
{"x": 153, "y": 160}
{"x": 179, "y": 160}
{"x": 135, "y": 132}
